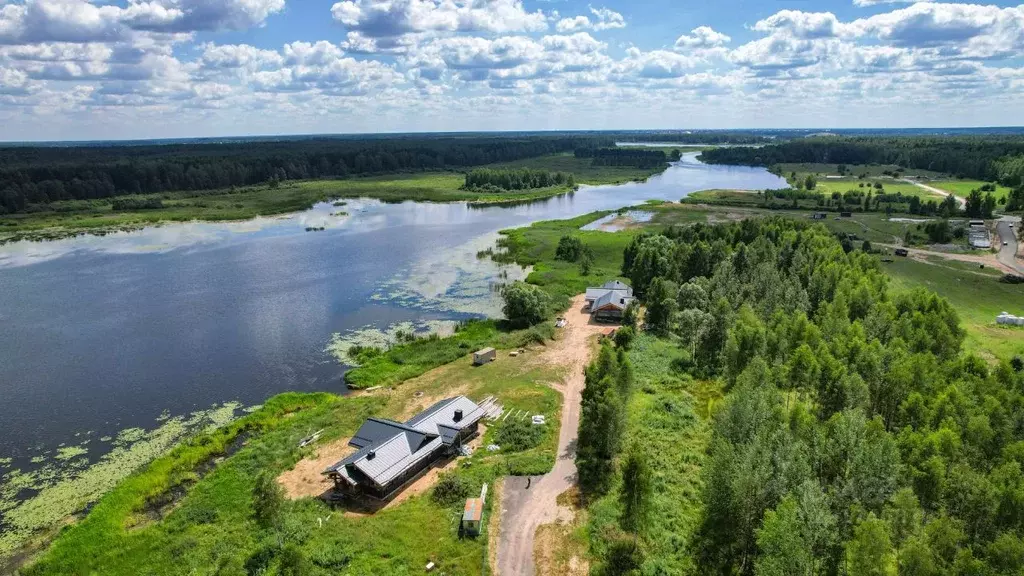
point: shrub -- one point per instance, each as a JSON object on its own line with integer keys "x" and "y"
{"x": 515, "y": 435}
{"x": 525, "y": 304}
{"x": 570, "y": 248}
{"x": 267, "y": 498}
{"x": 293, "y": 562}
{"x": 450, "y": 489}
{"x": 624, "y": 337}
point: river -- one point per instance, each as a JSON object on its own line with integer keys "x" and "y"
{"x": 105, "y": 333}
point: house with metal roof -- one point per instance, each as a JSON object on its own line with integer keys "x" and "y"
{"x": 609, "y": 301}
{"x": 391, "y": 454}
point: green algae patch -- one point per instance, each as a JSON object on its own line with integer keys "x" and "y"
{"x": 70, "y": 453}
{"x": 66, "y": 485}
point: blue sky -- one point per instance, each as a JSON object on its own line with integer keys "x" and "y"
{"x": 81, "y": 69}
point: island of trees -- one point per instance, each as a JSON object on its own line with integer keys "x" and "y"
{"x": 503, "y": 180}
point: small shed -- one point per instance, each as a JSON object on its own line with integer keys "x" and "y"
{"x": 472, "y": 516}
{"x": 846, "y": 214}
{"x": 481, "y": 357}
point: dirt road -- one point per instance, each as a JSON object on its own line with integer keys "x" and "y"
{"x": 960, "y": 201}
{"x": 986, "y": 258}
{"x": 524, "y": 509}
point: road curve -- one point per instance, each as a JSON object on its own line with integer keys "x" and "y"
{"x": 1006, "y": 227}
{"x": 525, "y": 508}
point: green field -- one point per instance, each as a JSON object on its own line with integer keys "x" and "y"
{"x": 963, "y": 188}
{"x": 97, "y": 216}
{"x": 977, "y": 297}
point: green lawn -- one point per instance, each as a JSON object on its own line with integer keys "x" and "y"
{"x": 963, "y": 188}
{"x": 978, "y": 298}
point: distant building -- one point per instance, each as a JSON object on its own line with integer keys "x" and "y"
{"x": 610, "y": 300}
{"x": 819, "y": 216}
{"x": 846, "y": 214}
{"x": 392, "y": 454}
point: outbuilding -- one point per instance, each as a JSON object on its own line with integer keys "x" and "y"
{"x": 472, "y": 516}
{"x": 481, "y": 357}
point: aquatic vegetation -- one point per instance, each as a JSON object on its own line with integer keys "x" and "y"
{"x": 66, "y": 487}
{"x": 342, "y": 345}
{"x": 455, "y": 279}
{"x": 5, "y": 462}
{"x": 70, "y": 453}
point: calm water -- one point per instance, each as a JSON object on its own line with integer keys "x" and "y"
{"x": 103, "y": 333}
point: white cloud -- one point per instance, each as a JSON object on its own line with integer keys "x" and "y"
{"x": 391, "y": 18}
{"x": 604, "y": 19}
{"x": 702, "y": 37}
{"x": 82, "y": 21}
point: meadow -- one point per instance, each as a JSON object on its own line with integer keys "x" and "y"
{"x": 963, "y": 188}
{"x": 977, "y": 296}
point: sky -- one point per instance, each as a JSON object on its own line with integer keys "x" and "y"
{"x": 124, "y": 69}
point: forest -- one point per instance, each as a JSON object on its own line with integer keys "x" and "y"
{"x": 32, "y": 177}
{"x": 986, "y": 158}
{"x": 515, "y": 179}
{"x": 636, "y": 157}
{"x": 855, "y": 436}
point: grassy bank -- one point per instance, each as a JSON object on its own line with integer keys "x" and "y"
{"x": 535, "y": 246}
{"x": 389, "y": 367}
{"x": 192, "y": 513}
{"x": 62, "y": 219}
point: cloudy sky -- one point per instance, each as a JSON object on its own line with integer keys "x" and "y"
{"x": 111, "y": 69}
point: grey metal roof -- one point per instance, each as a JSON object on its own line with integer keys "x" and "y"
{"x": 396, "y": 446}
{"x": 377, "y": 430}
{"x": 615, "y": 298}
{"x": 593, "y": 294}
{"x": 616, "y": 285}
{"x": 440, "y": 418}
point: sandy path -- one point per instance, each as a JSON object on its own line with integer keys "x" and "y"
{"x": 935, "y": 190}
{"x": 988, "y": 259}
{"x": 524, "y": 509}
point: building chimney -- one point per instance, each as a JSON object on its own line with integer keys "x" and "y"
{"x": 370, "y": 455}
{"x": 458, "y": 415}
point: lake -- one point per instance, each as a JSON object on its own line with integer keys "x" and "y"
{"x": 106, "y": 333}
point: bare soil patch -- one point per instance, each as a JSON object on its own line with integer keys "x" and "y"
{"x": 306, "y": 480}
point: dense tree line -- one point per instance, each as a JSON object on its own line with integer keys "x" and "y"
{"x": 40, "y": 175}
{"x": 856, "y": 436}
{"x": 516, "y": 179}
{"x": 635, "y": 157}
{"x": 609, "y": 382}
{"x": 983, "y": 158}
